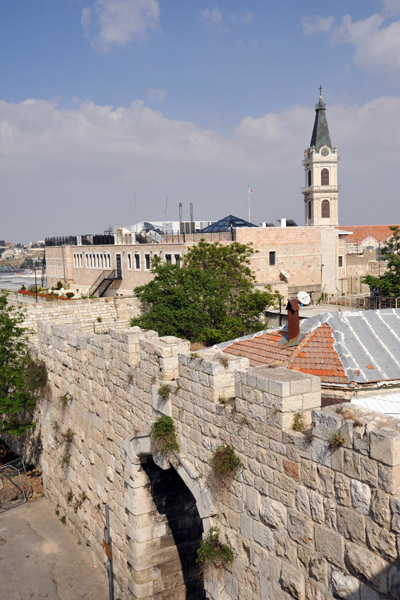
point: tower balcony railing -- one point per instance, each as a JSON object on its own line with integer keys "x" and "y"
{"x": 321, "y": 189}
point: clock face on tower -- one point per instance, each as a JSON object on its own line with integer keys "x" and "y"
{"x": 324, "y": 151}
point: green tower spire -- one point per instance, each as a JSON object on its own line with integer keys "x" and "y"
{"x": 320, "y": 135}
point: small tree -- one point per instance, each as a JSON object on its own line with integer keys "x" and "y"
{"x": 21, "y": 377}
{"x": 389, "y": 282}
{"x": 212, "y": 298}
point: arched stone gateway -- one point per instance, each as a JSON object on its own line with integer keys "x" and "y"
{"x": 167, "y": 516}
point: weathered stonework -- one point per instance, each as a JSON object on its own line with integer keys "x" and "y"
{"x": 305, "y": 520}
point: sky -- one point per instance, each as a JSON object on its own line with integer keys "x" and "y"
{"x": 115, "y": 111}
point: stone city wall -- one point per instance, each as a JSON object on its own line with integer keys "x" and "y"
{"x": 94, "y": 314}
{"x": 313, "y": 515}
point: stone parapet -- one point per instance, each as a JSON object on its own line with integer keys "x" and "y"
{"x": 313, "y": 514}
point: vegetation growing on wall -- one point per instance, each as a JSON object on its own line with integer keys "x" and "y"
{"x": 213, "y": 552}
{"x": 226, "y": 464}
{"x": 21, "y": 377}
{"x": 164, "y": 391}
{"x": 210, "y": 299}
{"x": 163, "y": 432}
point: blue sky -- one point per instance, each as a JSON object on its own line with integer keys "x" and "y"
{"x": 108, "y": 102}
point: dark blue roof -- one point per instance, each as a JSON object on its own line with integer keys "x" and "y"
{"x": 227, "y": 224}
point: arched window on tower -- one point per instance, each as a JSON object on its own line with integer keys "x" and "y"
{"x": 309, "y": 210}
{"x": 324, "y": 177}
{"x": 325, "y": 209}
{"x": 309, "y": 177}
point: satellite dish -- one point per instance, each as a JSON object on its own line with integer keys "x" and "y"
{"x": 303, "y": 298}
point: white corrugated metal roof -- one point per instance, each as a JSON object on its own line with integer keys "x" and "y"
{"x": 388, "y": 404}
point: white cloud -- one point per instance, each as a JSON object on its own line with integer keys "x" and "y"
{"x": 156, "y": 94}
{"x": 117, "y": 22}
{"x": 391, "y": 6}
{"x": 376, "y": 41}
{"x": 246, "y": 17}
{"x": 77, "y": 170}
{"x": 377, "y": 46}
{"x": 212, "y": 16}
{"x": 316, "y": 24}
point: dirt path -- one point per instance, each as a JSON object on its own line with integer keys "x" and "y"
{"x": 40, "y": 559}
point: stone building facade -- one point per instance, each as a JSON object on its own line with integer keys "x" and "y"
{"x": 311, "y": 258}
{"x": 313, "y": 515}
{"x": 288, "y": 258}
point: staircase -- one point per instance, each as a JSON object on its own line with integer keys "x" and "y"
{"x": 103, "y": 282}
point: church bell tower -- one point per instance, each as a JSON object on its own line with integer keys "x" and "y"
{"x": 320, "y": 165}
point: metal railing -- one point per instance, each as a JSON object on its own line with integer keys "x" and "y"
{"x": 96, "y": 284}
{"x": 363, "y": 302}
{"x": 14, "y": 484}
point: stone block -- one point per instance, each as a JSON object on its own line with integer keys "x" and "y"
{"x": 381, "y": 541}
{"x": 312, "y": 400}
{"x": 321, "y": 452}
{"x": 389, "y": 479}
{"x": 380, "y": 510}
{"x": 385, "y": 446}
{"x": 317, "y": 507}
{"x": 329, "y": 544}
{"x": 351, "y": 524}
{"x": 246, "y": 527}
{"x": 395, "y": 507}
{"x": 319, "y": 569}
{"x": 360, "y": 496}
{"x": 345, "y": 586}
{"x": 292, "y": 582}
{"x": 161, "y": 404}
{"x": 342, "y": 489}
{"x": 273, "y": 514}
{"x": 263, "y": 535}
{"x": 367, "y": 566}
{"x": 300, "y": 529}
{"x": 326, "y": 423}
{"x": 302, "y": 500}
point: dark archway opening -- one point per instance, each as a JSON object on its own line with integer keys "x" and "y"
{"x": 174, "y": 500}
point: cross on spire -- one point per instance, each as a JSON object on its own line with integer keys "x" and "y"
{"x": 320, "y": 91}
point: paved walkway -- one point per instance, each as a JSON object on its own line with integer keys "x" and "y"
{"x": 39, "y": 558}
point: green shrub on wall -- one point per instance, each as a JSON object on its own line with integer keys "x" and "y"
{"x": 163, "y": 433}
{"x": 212, "y": 552}
{"x": 225, "y": 464}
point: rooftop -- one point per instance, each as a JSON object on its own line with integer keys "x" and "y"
{"x": 380, "y": 233}
{"x": 227, "y": 224}
{"x": 341, "y": 348}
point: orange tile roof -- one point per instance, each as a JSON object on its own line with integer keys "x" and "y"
{"x": 314, "y": 354}
{"x": 381, "y": 233}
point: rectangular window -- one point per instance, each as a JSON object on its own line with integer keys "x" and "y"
{"x": 178, "y": 259}
{"x": 129, "y": 261}
{"x": 147, "y": 261}
{"x": 340, "y": 261}
{"x": 137, "y": 262}
{"x": 168, "y": 259}
{"x": 272, "y": 258}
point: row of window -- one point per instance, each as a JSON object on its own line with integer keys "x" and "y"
{"x": 325, "y": 209}
{"x": 92, "y": 261}
{"x": 103, "y": 261}
{"x": 324, "y": 177}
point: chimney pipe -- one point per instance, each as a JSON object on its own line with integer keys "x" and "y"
{"x": 191, "y": 218}
{"x": 283, "y": 222}
{"x": 180, "y": 218}
{"x": 293, "y": 323}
